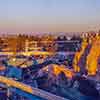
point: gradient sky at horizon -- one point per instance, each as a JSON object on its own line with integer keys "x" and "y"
{"x": 49, "y": 15}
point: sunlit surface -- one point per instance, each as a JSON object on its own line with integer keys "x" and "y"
{"x": 78, "y": 55}
{"x": 57, "y": 69}
{"x": 15, "y": 84}
{"x": 93, "y": 57}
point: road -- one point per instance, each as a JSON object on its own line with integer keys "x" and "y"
{"x": 27, "y": 53}
{"x": 34, "y": 91}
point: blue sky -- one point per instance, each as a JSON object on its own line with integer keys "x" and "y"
{"x": 49, "y": 15}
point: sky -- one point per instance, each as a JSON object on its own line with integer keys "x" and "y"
{"x": 17, "y": 16}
